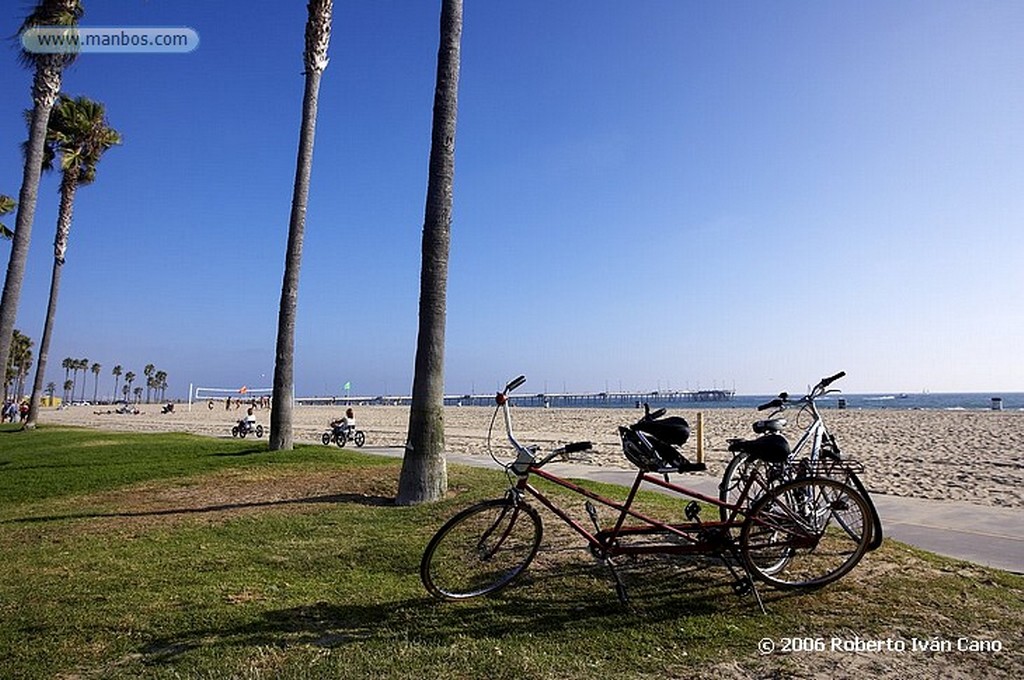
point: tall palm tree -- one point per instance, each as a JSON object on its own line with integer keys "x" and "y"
{"x": 49, "y": 69}
{"x": 68, "y": 386}
{"x": 318, "y": 38}
{"x": 161, "y": 383}
{"x": 18, "y": 366}
{"x": 138, "y": 394}
{"x": 116, "y": 371}
{"x": 66, "y": 365}
{"x": 83, "y": 366}
{"x": 424, "y": 475}
{"x": 80, "y": 134}
{"x": 95, "y": 381}
{"x": 7, "y": 205}
{"x": 129, "y": 378}
{"x": 148, "y": 371}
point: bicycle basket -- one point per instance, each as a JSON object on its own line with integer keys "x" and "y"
{"x": 649, "y": 453}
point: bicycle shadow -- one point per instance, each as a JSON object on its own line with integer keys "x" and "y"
{"x": 546, "y": 601}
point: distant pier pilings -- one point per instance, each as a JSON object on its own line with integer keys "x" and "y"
{"x": 577, "y": 399}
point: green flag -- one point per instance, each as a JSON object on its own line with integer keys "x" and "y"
{"x": 348, "y": 386}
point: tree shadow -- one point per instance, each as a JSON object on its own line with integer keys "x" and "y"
{"x": 243, "y": 452}
{"x": 336, "y": 498}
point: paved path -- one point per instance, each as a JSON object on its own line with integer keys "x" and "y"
{"x": 977, "y": 533}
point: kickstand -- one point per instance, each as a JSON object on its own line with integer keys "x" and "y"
{"x": 620, "y": 587}
{"x": 744, "y": 584}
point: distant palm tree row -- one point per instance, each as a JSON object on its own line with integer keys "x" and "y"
{"x": 156, "y": 382}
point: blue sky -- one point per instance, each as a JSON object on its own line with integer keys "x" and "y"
{"x": 655, "y": 194}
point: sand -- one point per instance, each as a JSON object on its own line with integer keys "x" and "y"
{"x": 972, "y": 456}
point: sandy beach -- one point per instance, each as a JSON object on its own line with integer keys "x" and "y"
{"x": 972, "y": 456}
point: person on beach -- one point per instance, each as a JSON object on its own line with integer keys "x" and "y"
{"x": 10, "y": 410}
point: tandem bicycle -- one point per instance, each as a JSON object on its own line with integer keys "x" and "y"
{"x": 800, "y": 534}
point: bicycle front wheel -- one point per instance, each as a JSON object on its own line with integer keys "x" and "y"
{"x": 806, "y": 533}
{"x": 481, "y": 550}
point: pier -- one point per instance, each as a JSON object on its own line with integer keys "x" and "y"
{"x": 577, "y": 399}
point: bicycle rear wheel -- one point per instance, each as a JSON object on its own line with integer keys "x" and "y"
{"x": 734, "y": 480}
{"x": 806, "y": 533}
{"x": 481, "y": 549}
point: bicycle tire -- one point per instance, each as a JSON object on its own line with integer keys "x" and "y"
{"x": 787, "y": 541}
{"x": 851, "y": 478}
{"x": 734, "y": 479}
{"x": 481, "y": 549}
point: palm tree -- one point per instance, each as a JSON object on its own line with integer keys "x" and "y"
{"x": 51, "y": 387}
{"x": 161, "y": 383}
{"x": 79, "y": 133}
{"x": 318, "y": 37}
{"x": 116, "y": 371}
{"x": 96, "y": 381}
{"x": 7, "y": 204}
{"x": 424, "y": 475}
{"x": 83, "y": 366}
{"x": 138, "y": 394}
{"x": 49, "y": 69}
{"x": 148, "y": 371}
{"x": 68, "y": 386}
{"x": 18, "y": 366}
{"x": 129, "y": 378}
{"x": 66, "y": 365}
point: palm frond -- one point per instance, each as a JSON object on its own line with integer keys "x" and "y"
{"x": 48, "y": 13}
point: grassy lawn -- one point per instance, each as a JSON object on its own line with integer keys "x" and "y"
{"x": 170, "y": 555}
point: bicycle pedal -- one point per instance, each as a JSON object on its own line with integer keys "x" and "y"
{"x": 741, "y": 587}
{"x": 592, "y": 512}
{"x": 692, "y": 510}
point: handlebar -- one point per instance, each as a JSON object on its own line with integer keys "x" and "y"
{"x": 514, "y": 383}
{"x": 775, "y": 403}
{"x": 783, "y": 399}
{"x": 825, "y": 382}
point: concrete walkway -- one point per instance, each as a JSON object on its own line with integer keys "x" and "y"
{"x": 982, "y": 534}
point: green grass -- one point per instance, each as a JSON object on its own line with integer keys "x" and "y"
{"x": 169, "y": 556}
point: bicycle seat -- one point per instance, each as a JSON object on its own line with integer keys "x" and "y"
{"x": 769, "y": 425}
{"x": 771, "y": 448}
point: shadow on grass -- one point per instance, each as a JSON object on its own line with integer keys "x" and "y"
{"x": 243, "y": 452}
{"x": 338, "y": 498}
{"x": 575, "y": 598}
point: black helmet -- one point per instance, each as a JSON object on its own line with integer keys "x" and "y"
{"x": 650, "y": 453}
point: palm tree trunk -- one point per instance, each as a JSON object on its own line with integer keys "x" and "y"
{"x": 318, "y": 32}
{"x": 424, "y": 474}
{"x": 45, "y": 87}
{"x": 68, "y": 186}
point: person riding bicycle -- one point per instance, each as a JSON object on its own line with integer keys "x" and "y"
{"x": 346, "y": 423}
{"x": 248, "y": 423}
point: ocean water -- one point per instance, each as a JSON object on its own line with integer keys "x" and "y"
{"x": 968, "y": 401}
